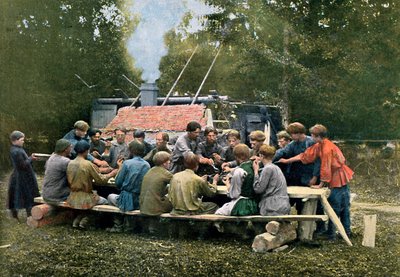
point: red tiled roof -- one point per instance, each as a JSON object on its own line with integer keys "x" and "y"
{"x": 158, "y": 118}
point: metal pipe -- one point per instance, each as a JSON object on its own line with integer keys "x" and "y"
{"x": 180, "y": 74}
{"x": 205, "y": 77}
{"x": 172, "y": 100}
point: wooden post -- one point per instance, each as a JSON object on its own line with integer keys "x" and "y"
{"x": 369, "y": 230}
{"x": 306, "y": 228}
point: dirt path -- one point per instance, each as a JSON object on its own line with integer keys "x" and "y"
{"x": 389, "y": 208}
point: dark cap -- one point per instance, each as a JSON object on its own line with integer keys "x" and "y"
{"x": 16, "y": 135}
{"x": 81, "y": 146}
{"x": 61, "y": 145}
{"x": 139, "y": 134}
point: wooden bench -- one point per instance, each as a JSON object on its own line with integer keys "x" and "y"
{"x": 225, "y": 224}
{"x": 203, "y": 217}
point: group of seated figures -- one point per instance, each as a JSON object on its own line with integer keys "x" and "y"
{"x": 176, "y": 178}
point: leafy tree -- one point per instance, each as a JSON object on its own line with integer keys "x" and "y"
{"x": 49, "y": 49}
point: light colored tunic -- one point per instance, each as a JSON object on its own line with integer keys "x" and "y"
{"x": 271, "y": 184}
{"x": 183, "y": 146}
{"x": 80, "y": 175}
{"x": 117, "y": 151}
{"x": 55, "y": 184}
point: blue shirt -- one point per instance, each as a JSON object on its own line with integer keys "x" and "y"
{"x": 297, "y": 171}
{"x": 129, "y": 181}
{"x": 73, "y": 139}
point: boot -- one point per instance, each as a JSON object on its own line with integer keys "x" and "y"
{"x": 118, "y": 225}
{"x": 84, "y": 222}
{"x": 77, "y": 220}
{"x": 14, "y": 214}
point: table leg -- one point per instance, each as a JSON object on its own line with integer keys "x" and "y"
{"x": 306, "y": 228}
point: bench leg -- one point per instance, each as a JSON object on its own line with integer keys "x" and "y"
{"x": 306, "y": 228}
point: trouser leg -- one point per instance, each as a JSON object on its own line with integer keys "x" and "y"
{"x": 28, "y": 211}
{"x": 345, "y": 213}
{"x": 334, "y": 201}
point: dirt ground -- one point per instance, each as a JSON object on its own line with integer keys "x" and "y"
{"x": 64, "y": 251}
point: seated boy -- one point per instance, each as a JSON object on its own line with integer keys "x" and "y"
{"x": 209, "y": 152}
{"x": 187, "y": 188}
{"x": 55, "y": 185}
{"x": 240, "y": 187}
{"x": 153, "y": 200}
{"x": 129, "y": 181}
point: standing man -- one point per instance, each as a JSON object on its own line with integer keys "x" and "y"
{"x": 334, "y": 173}
{"x": 186, "y": 143}
{"x": 79, "y": 133}
{"x": 283, "y": 139}
{"x": 22, "y": 186}
{"x": 299, "y": 174}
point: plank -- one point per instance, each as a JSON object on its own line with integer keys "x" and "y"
{"x": 334, "y": 218}
{"x": 293, "y": 192}
{"x": 205, "y": 217}
{"x": 254, "y": 218}
{"x": 41, "y": 200}
{"x": 113, "y": 209}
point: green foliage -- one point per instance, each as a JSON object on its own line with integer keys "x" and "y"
{"x": 331, "y": 62}
{"x": 44, "y": 46}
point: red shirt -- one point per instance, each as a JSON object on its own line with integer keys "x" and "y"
{"x": 333, "y": 168}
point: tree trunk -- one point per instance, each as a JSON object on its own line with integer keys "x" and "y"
{"x": 285, "y": 79}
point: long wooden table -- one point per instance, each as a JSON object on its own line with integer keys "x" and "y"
{"x": 311, "y": 196}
